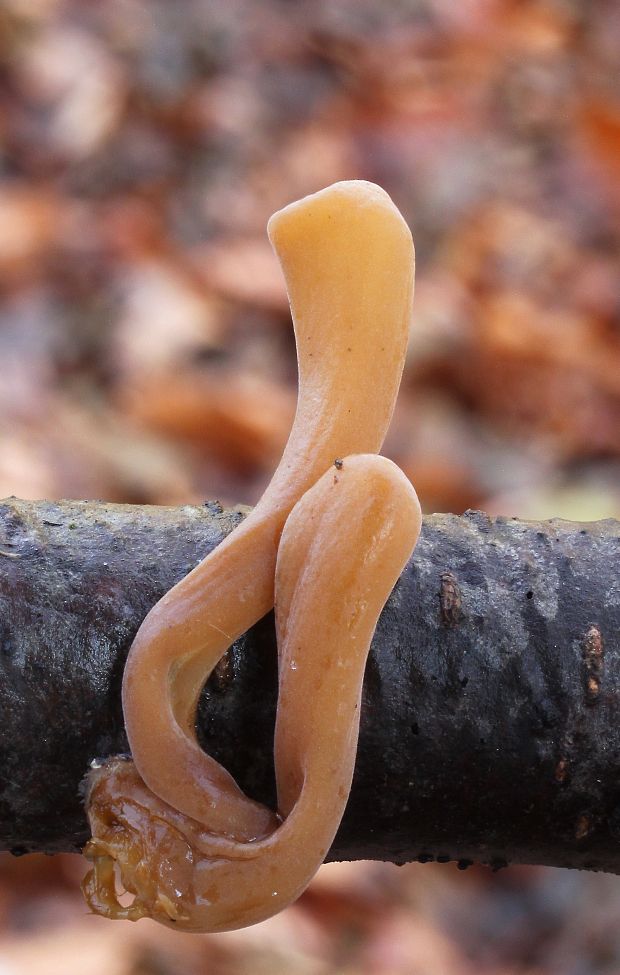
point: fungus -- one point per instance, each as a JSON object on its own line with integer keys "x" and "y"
{"x": 347, "y": 256}
{"x": 174, "y": 812}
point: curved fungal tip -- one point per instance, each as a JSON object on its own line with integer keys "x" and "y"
{"x": 347, "y": 198}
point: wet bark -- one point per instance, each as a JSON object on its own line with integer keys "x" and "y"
{"x": 490, "y": 724}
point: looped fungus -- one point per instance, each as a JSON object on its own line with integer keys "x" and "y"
{"x": 189, "y": 844}
{"x": 342, "y": 549}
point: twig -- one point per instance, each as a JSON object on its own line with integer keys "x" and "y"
{"x": 491, "y": 714}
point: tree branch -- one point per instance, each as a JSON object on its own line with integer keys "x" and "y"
{"x": 490, "y": 723}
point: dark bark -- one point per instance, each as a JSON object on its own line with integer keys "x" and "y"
{"x": 490, "y": 724}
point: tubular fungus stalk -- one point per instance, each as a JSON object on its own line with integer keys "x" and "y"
{"x": 189, "y": 844}
{"x": 347, "y": 256}
{"x": 343, "y": 547}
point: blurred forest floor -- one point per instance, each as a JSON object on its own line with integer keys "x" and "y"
{"x": 147, "y": 353}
